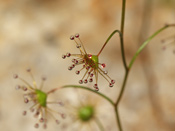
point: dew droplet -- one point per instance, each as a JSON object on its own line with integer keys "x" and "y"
{"x": 163, "y": 48}
{"x": 28, "y": 70}
{"x": 76, "y": 62}
{"x": 36, "y": 114}
{"x": 87, "y": 68}
{"x": 113, "y": 81}
{"x": 103, "y": 65}
{"x": 32, "y": 110}
{"x": 15, "y": 76}
{"x": 72, "y": 37}
{"x": 73, "y": 65}
{"x": 45, "y": 126}
{"x": 63, "y": 116}
{"x": 105, "y": 72}
{"x": 61, "y": 103}
{"x": 24, "y": 88}
{"x": 63, "y": 56}
{"x": 17, "y": 87}
{"x": 95, "y": 86}
{"x": 73, "y": 60}
{"x": 90, "y": 56}
{"x": 85, "y": 81}
{"x": 68, "y": 54}
{"x": 70, "y": 68}
{"x": 24, "y": 113}
{"x": 110, "y": 85}
{"x": 26, "y": 100}
{"x": 77, "y": 72}
{"x": 81, "y": 81}
{"x": 97, "y": 89}
{"x": 43, "y": 78}
{"x": 78, "y": 46}
{"x": 91, "y": 75}
{"x": 57, "y": 121}
{"x": 90, "y": 80}
{"x": 41, "y": 119}
{"x": 77, "y": 35}
{"x": 36, "y": 125}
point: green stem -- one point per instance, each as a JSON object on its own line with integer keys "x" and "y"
{"x": 122, "y": 47}
{"x": 118, "y": 118}
{"x": 125, "y": 65}
{"x": 146, "y": 42}
{"x": 122, "y": 88}
{"x": 100, "y": 125}
{"x": 119, "y": 98}
{"x": 123, "y": 16}
{"x": 87, "y": 88}
{"x": 128, "y": 69}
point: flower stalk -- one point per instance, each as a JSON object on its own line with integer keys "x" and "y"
{"x": 35, "y": 95}
{"x": 90, "y": 63}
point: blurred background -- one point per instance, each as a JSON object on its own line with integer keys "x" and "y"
{"x": 35, "y": 33}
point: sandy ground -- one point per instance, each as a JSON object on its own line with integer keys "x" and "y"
{"x": 35, "y": 33}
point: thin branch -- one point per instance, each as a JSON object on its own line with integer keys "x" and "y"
{"x": 123, "y": 16}
{"x": 87, "y": 88}
{"x": 124, "y": 61}
{"x": 118, "y": 118}
{"x": 121, "y": 43}
{"x": 146, "y": 42}
{"x": 128, "y": 69}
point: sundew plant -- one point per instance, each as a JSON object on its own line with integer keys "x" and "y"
{"x": 93, "y": 67}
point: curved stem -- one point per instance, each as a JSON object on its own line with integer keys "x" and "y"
{"x": 87, "y": 88}
{"x": 128, "y": 69}
{"x": 124, "y": 62}
{"x": 146, "y": 42}
{"x": 121, "y": 43}
{"x": 108, "y": 41}
{"x": 100, "y": 125}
